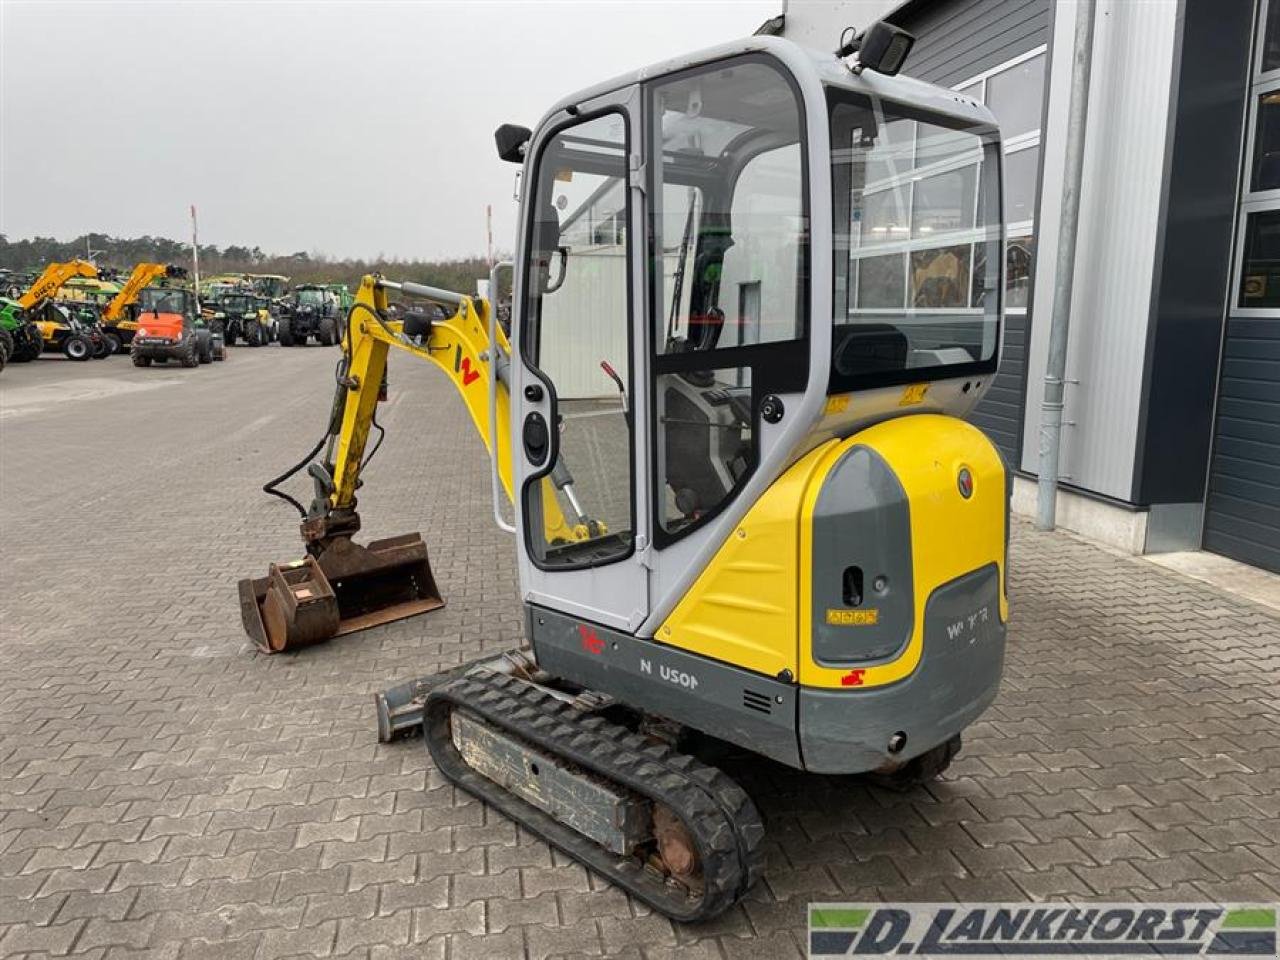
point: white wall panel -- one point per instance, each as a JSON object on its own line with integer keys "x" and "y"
{"x": 1133, "y": 50}
{"x": 818, "y": 23}
{"x": 584, "y": 322}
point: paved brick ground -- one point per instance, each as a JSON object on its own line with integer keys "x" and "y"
{"x": 165, "y": 792}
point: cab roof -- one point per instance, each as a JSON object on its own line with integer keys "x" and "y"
{"x": 811, "y": 68}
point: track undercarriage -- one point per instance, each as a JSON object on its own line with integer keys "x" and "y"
{"x": 669, "y": 829}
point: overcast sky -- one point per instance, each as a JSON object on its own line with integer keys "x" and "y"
{"x": 350, "y": 129}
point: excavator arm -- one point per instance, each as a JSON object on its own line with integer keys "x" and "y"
{"x": 53, "y": 277}
{"x": 458, "y": 346}
{"x": 340, "y": 586}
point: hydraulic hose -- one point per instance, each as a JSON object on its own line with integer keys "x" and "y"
{"x": 271, "y": 487}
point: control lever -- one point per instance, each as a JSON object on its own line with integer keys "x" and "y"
{"x": 612, "y": 374}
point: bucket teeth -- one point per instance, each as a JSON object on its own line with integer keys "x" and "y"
{"x": 345, "y": 588}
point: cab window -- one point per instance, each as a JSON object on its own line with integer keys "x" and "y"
{"x": 917, "y": 230}
{"x": 730, "y": 254}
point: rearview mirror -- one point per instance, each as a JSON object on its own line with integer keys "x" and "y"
{"x": 511, "y": 141}
{"x": 884, "y": 48}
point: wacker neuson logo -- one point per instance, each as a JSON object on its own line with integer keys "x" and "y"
{"x": 1042, "y": 930}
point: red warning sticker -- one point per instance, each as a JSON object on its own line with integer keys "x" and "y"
{"x": 591, "y": 641}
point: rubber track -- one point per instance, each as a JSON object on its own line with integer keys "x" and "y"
{"x": 721, "y": 818}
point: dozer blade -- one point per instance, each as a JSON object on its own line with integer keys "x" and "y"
{"x": 348, "y": 588}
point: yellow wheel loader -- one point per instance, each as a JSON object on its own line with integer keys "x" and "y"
{"x": 747, "y": 505}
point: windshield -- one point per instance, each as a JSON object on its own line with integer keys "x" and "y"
{"x": 917, "y": 238}
{"x": 158, "y": 299}
{"x": 311, "y": 297}
{"x": 271, "y": 286}
{"x": 236, "y": 303}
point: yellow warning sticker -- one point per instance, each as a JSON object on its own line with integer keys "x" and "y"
{"x": 837, "y": 404}
{"x": 913, "y": 394}
{"x": 837, "y": 617}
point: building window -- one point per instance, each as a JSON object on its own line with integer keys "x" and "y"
{"x": 1014, "y": 92}
{"x": 1260, "y": 272}
{"x": 1266, "y": 141}
{"x": 1016, "y": 97}
{"x": 1257, "y": 265}
{"x": 1270, "y": 42}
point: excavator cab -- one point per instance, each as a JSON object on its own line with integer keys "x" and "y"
{"x": 771, "y": 252}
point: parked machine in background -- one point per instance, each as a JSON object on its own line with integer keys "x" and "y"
{"x": 118, "y": 316}
{"x": 345, "y": 300}
{"x": 99, "y": 290}
{"x": 13, "y": 282}
{"x": 63, "y": 326}
{"x": 52, "y": 278}
{"x": 18, "y": 332}
{"x": 749, "y": 515}
{"x": 69, "y": 328}
{"x": 273, "y": 286}
{"x": 170, "y": 328}
{"x": 244, "y": 317}
{"x": 311, "y": 312}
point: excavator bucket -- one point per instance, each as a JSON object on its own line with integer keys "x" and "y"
{"x": 347, "y": 588}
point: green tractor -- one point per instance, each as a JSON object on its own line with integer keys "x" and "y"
{"x": 20, "y": 338}
{"x": 345, "y": 299}
{"x": 244, "y": 317}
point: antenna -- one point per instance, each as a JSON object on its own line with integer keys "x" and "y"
{"x": 488, "y": 226}
{"x": 195, "y": 254}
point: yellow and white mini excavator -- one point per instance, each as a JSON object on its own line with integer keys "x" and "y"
{"x": 728, "y": 414}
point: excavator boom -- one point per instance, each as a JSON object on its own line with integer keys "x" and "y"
{"x": 53, "y": 277}
{"x": 341, "y": 587}
{"x": 142, "y": 276}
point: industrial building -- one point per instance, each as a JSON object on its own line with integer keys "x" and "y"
{"x": 1172, "y": 437}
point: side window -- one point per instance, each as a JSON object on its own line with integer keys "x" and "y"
{"x": 730, "y": 254}
{"x": 761, "y": 268}
{"x": 576, "y": 332}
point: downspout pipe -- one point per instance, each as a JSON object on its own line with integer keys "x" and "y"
{"x": 1064, "y": 270}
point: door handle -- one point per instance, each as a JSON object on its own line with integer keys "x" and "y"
{"x": 536, "y": 438}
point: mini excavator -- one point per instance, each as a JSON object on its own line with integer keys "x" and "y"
{"x": 728, "y": 414}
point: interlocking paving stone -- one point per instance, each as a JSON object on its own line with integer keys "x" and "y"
{"x": 166, "y": 792}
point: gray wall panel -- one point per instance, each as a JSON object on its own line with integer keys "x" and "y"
{"x": 955, "y": 40}
{"x": 999, "y": 413}
{"x": 1197, "y": 220}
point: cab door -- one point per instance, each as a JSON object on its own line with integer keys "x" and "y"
{"x": 580, "y": 507}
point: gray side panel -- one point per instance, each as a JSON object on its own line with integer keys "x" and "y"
{"x": 861, "y": 522}
{"x": 743, "y": 708}
{"x": 956, "y": 40}
{"x": 847, "y": 731}
{"x": 1242, "y": 514}
{"x": 1211, "y": 67}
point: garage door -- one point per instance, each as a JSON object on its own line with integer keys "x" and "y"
{"x": 1242, "y": 507}
{"x": 992, "y": 50}
{"x": 1242, "y": 514}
